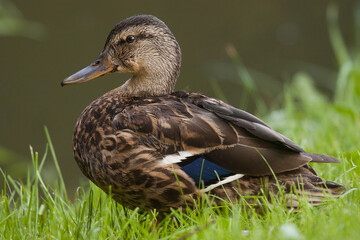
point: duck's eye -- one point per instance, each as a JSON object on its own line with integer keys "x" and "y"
{"x": 130, "y": 39}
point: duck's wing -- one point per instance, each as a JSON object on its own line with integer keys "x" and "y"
{"x": 191, "y": 128}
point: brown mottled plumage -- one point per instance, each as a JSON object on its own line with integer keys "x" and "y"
{"x": 150, "y": 144}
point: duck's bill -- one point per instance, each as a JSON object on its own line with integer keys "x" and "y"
{"x": 96, "y": 69}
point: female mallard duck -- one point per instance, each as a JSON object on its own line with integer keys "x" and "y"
{"x": 160, "y": 149}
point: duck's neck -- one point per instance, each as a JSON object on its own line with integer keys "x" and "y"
{"x": 148, "y": 84}
{"x": 140, "y": 86}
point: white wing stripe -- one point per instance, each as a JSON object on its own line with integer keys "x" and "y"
{"x": 222, "y": 182}
{"x": 176, "y": 158}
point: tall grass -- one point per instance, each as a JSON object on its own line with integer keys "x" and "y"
{"x": 35, "y": 210}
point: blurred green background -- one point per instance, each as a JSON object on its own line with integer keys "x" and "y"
{"x": 42, "y": 42}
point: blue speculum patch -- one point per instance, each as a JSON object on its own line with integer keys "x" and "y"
{"x": 210, "y": 170}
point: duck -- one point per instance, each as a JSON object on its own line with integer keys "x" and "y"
{"x": 157, "y": 148}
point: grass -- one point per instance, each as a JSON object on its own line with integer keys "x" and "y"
{"x": 35, "y": 210}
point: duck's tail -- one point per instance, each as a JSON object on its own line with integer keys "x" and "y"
{"x": 304, "y": 185}
{"x": 317, "y": 195}
{"x": 297, "y": 186}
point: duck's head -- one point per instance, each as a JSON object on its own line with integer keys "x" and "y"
{"x": 143, "y": 46}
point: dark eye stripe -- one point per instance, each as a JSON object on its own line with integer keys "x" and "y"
{"x": 121, "y": 42}
{"x": 143, "y": 36}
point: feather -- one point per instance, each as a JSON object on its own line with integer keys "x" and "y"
{"x": 177, "y": 157}
{"x": 202, "y": 170}
{"x": 228, "y": 179}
